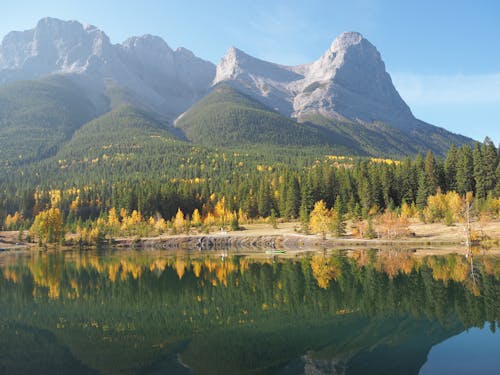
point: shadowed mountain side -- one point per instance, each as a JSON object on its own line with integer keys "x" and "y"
{"x": 227, "y": 117}
{"x": 37, "y": 117}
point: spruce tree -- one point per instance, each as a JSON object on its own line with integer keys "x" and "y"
{"x": 450, "y": 169}
{"x": 422, "y": 192}
{"x": 490, "y": 161}
{"x": 479, "y": 172}
{"x": 465, "y": 170}
{"x": 292, "y": 198}
{"x": 338, "y": 220}
{"x": 431, "y": 173}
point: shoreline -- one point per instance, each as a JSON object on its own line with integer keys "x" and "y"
{"x": 285, "y": 237}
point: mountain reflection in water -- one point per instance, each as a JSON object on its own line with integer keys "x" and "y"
{"x": 127, "y": 312}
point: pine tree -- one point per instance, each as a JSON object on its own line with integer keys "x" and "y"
{"x": 450, "y": 169}
{"x": 292, "y": 198}
{"x": 431, "y": 175}
{"x": 307, "y": 200}
{"x": 465, "y": 170}
{"x": 497, "y": 188}
{"x": 337, "y": 218}
{"x": 264, "y": 202}
{"x": 479, "y": 172}
{"x": 490, "y": 161}
{"x": 422, "y": 192}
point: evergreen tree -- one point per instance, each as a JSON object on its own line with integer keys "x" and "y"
{"x": 490, "y": 161}
{"x": 479, "y": 172}
{"x": 338, "y": 220}
{"x": 307, "y": 199}
{"x": 264, "y": 202}
{"x": 497, "y": 188}
{"x": 293, "y": 200}
{"x": 407, "y": 176}
{"x": 450, "y": 169}
{"x": 422, "y": 192}
{"x": 431, "y": 175}
{"x": 465, "y": 170}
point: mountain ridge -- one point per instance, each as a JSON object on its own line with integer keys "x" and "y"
{"x": 144, "y": 65}
{"x": 347, "y": 90}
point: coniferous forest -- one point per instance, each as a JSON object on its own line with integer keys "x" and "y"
{"x": 154, "y": 183}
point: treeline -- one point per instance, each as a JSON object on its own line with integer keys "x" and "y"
{"x": 357, "y": 188}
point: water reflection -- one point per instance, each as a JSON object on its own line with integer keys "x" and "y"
{"x": 149, "y": 312}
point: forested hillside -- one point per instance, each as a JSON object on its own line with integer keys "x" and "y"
{"x": 37, "y": 117}
{"x": 226, "y": 117}
{"x": 162, "y": 178}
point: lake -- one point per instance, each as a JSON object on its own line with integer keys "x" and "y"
{"x": 360, "y": 311}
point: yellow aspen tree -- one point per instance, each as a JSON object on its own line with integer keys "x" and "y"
{"x": 48, "y": 226}
{"x": 179, "y": 221}
{"x": 161, "y": 225}
{"x": 196, "y": 220}
{"x": 220, "y": 210}
{"x": 113, "y": 222}
{"x": 320, "y": 221}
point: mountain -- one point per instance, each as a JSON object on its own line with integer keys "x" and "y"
{"x": 348, "y": 82}
{"x": 227, "y": 117}
{"x": 60, "y": 75}
{"x": 143, "y": 71}
{"x": 347, "y": 86}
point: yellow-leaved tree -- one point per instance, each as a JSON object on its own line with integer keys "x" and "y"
{"x": 196, "y": 220}
{"x": 179, "y": 221}
{"x": 48, "y": 227}
{"x": 320, "y": 220}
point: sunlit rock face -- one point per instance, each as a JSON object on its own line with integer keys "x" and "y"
{"x": 348, "y": 82}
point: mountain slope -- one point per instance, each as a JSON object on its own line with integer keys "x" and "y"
{"x": 156, "y": 77}
{"x": 37, "y": 117}
{"x": 344, "y": 100}
{"x": 347, "y": 86}
{"x": 119, "y": 131}
{"x": 226, "y": 117}
{"x": 380, "y": 139}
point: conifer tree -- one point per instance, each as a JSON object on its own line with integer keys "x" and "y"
{"x": 293, "y": 198}
{"x": 479, "y": 172}
{"x": 422, "y": 192}
{"x": 337, "y": 218}
{"x": 450, "y": 169}
{"x": 490, "y": 161}
{"x": 431, "y": 173}
{"x": 465, "y": 170}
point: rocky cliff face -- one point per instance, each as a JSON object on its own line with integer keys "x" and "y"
{"x": 348, "y": 82}
{"x": 145, "y": 68}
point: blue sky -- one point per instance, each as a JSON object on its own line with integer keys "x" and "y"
{"x": 443, "y": 55}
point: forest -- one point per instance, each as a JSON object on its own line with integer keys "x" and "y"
{"x": 171, "y": 187}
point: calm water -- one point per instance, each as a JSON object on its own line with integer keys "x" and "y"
{"x": 356, "y": 312}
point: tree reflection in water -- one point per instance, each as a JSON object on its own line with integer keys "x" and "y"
{"x": 128, "y": 312}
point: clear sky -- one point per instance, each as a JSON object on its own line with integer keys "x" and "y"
{"x": 443, "y": 55}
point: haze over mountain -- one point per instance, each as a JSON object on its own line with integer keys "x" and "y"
{"x": 345, "y": 99}
{"x": 143, "y": 70}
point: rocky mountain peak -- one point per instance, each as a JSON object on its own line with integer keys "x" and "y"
{"x": 346, "y": 40}
{"x": 52, "y": 46}
{"x": 143, "y": 70}
{"x": 146, "y": 42}
{"x": 348, "y": 82}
